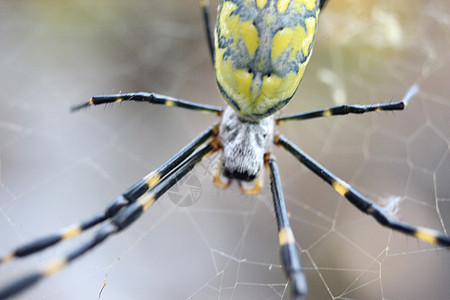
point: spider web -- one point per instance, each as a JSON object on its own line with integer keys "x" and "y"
{"x": 58, "y": 168}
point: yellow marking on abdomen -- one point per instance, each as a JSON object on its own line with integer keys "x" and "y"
{"x": 242, "y": 81}
{"x": 310, "y": 4}
{"x": 71, "y": 232}
{"x": 249, "y": 35}
{"x": 281, "y": 41}
{"x": 7, "y": 257}
{"x": 427, "y": 235}
{"x": 340, "y": 187}
{"x": 286, "y": 236}
{"x": 269, "y": 89}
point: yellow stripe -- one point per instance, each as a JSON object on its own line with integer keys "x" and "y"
{"x": 170, "y": 103}
{"x": 276, "y": 140}
{"x": 282, "y": 5}
{"x": 286, "y": 236}
{"x": 309, "y": 35}
{"x": 219, "y": 183}
{"x": 255, "y": 189}
{"x": 54, "y": 266}
{"x": 71, "y": 232}
{"x": 310, "y": 4}
{"x": 427, "y": 235}
{"x": 281, "y": 41}
{"x": 249, "y": 35}
{"x": 327, "y": 113}
{"x": 153, "y": 179}
{"x": 340, "y": 187}
{"x": 261, "y": 3}
{"x": 7, "y": 257}
{"x": 146, "y": 200}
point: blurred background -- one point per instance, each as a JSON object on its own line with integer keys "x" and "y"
{"x": 58, "y": 168}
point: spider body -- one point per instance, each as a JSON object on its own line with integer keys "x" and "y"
{"x": 260, "y": 51}
{"x": 262, "y": 48}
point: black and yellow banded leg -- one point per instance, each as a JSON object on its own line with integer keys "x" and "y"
{"x": 152, "y": 98}
{"x": 350, "y": 109}
{"x": 288, "y": 248}
{"x": 360, "y": 201}
{"x": 122, "y": 220}
{"x": 151, "y": 179}
{"x": 128, "y": 197}
{"x": 204, "y": 5}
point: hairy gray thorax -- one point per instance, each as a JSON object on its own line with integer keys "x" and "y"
{"x": 244, "y": 145}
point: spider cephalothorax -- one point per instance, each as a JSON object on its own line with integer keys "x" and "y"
{"x": 244, "y": 144}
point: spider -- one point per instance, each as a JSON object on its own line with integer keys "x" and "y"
{"x": 260, "y": 51}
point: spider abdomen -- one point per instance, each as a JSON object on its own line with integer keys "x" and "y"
{"x": 261, "y": 51}
{"x": 244, "y": 144}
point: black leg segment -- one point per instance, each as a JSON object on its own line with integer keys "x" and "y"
{"x": 288, "y": 248}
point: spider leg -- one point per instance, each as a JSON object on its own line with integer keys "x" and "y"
{"x": 350, "y": 109}
{"x": 360, "y": 201}
{"x": 127, "y": 198}
{"x": 204, "y": 5}
{"x": 217, "y": 178}
{"x": 152, "y": 98}
{"x": 122, "y": 220}
{"x": 258, "y": 184}
{"x": 288, "y": 248}
{"x": 322, "y": 4}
